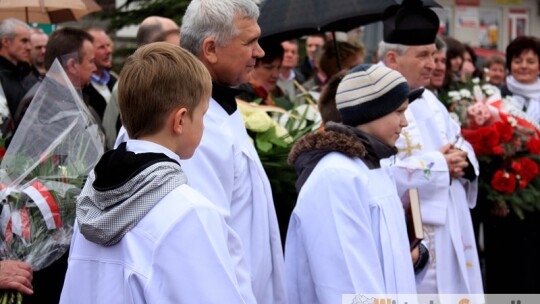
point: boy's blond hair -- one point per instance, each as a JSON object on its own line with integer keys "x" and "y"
{"x": 156, "y": 79}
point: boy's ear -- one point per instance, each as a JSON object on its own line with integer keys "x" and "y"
{"x": 209, "y": 50}
{"x": 179, "y": 117}
{"x": 391, "y": 59}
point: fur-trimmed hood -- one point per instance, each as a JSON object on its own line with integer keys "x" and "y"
{"x": 310, "y": 149}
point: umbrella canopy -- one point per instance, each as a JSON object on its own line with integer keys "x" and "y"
{"x": 47, "y": 11}
{"x": 287, "y": 19}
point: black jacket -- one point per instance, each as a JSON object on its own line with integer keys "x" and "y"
{"x": 95, "y": 100}
{"x": 16, "y": 81}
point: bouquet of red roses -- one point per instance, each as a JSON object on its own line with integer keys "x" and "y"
{"x": 506, "y": 143}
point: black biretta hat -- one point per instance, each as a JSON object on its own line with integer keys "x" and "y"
{"x": 410, "y": 23}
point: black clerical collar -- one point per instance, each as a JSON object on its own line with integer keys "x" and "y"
{"x": 225, "y": 97}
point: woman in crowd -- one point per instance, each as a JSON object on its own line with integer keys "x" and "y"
{"x": 469, "y": 70}
{"x": 522, "y": 61}
{"x": 263, "y": 83}
{"x": 350, "y": 55}
{"x": 495, "y": 70}
{"x": 454, "y": 60}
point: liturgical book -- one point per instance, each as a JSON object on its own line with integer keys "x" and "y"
{"x": 413, "y": 216}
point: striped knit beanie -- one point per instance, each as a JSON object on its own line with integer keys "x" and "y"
{"x": 370, "y": 92}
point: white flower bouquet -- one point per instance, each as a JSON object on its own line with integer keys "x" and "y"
{"x": 274, "y": 131}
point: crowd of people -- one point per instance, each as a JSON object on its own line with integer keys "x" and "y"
{"x": 180, "y": 209}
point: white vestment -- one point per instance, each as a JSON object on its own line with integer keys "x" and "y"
{"x": 181, "y": 251}
{"x": 226, "y": 169}
{"x": 347, "y": 235}
{"x": 445, "y": 203}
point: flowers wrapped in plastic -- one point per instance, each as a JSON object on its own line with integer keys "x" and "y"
{"x": 506, "y": 142}
{"x": 54, "y": 148}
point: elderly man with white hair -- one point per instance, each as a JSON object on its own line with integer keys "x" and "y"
{"x": 433, "y": 157}
{"x": 15, "y": 70}
{"x": 226, "y": 168}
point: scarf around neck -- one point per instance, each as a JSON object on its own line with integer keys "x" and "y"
{"x": 528, "y": 90}
{"x": 526, "y": 96}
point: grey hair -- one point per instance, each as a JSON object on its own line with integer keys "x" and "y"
{"x": 213, "y": 18}
{"x": 385, "y": 47}
{"x": 8, "y": 27}
{"x": 440, "y": 45}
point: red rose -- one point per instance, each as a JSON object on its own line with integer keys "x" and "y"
{"x": 504, "y": 182}
{"x": 2, "y": 152}
{"x": 474, "y": 138}
{"x": 481, "y": 150}
{"x": 505, "y": 130}
{"x": 490, "y": 136}
{"x": 516, "y": 166}
{"x": 534, "y": 145}
{"x": 523, "y": 184}
{"x": 528, "y": 169}
{"x": 497, "y": 150}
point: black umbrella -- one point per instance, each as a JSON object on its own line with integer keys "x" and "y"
{"x": 287, "y": 19}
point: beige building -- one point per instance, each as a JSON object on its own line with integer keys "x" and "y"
{"x": 489, "y": 23}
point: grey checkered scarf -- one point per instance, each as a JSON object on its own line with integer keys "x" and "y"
{"x": 104, "y": 217}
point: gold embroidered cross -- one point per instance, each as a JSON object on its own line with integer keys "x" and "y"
{"x": 409, "y": 147}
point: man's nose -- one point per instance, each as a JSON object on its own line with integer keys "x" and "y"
{"x": 258, "y": 52}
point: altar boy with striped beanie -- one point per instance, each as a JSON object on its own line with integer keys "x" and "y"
{"x": 347, "y": 234}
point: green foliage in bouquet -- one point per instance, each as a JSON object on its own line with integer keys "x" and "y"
{"x": 274, "y": 131}
{"x": 50, "y": 177}
{"x": 43, "y": 236}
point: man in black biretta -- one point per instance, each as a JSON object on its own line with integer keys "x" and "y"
{"x": 410, "y": 24}
{"x": 432, "y": 138}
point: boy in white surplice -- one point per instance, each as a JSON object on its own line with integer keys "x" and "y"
{"x": 143, "y": 235}
{"x": 347, "y": 234}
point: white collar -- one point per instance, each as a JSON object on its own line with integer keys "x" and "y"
{"x": 292, "y": 75}
{"x": 144, "y": 146}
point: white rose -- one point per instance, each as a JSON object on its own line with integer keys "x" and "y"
{"x": 281, "y": 132}
{"x": 465, "y": 93}
{"x": 453, "y": 94}
{"x": 311, "y": 113}
{"x": 259, "y": 122}
{"x": 487, "y": 86}
{"x": 512, "y": 121}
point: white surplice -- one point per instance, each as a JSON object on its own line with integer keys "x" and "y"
{"x": 347, "y": 235}
{"x": 226, "y": 169}
{"x": 181, "y": 251}
{"x": 454, "y": 265}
